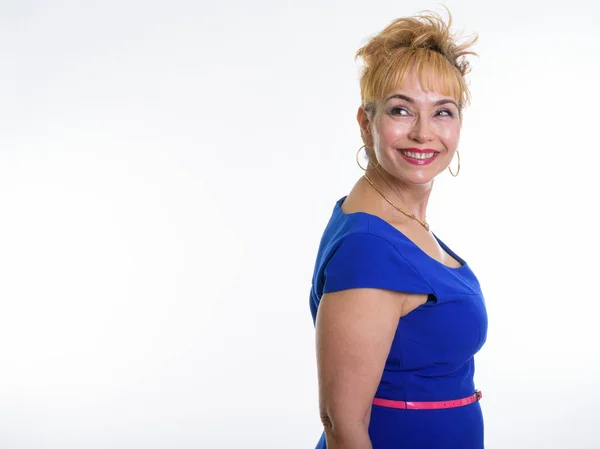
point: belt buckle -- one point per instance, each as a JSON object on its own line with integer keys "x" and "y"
{"x": 478, "y": 395}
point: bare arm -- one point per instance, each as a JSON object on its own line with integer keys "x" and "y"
{"x": 354, "y": 332}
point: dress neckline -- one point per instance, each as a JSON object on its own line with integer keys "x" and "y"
{"x": 463, "y": 263}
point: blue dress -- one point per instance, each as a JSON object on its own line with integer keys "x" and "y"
{"x": 431, "y": 357}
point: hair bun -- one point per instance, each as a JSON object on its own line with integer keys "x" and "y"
{"x": 424, "y": 31}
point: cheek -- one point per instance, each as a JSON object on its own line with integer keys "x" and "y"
{"x": 450, "y": 136}
{"x": 391, "y": 132}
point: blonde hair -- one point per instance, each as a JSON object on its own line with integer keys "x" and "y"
{"x": 423, "y": 42}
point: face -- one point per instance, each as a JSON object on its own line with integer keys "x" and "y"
{"x": 413, "y": 133}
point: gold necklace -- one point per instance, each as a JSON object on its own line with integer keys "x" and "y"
{"x": 408, "y": 214}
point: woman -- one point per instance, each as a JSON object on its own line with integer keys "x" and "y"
{"x": 398, "y": 314}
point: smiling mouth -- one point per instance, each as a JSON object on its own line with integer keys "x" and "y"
{"x": 418, "y": 156}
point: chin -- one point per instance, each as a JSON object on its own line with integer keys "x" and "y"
{"x": 424, "y": 180}
{"x": 420, "y": 178}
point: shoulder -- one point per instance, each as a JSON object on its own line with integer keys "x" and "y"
{"x": 364, "y": 244}
{"x": 370, "y": 260}
{"x": 364, "y": 235}
{"x": 366, "y": 249}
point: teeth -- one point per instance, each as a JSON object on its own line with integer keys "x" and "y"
{"x": 418, "y": 155}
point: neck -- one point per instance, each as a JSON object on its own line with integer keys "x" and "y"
{"x": 412, "y": 198}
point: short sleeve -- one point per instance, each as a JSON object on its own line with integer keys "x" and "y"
{"x": 369, "y": 261}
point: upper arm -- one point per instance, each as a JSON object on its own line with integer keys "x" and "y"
{"x": 354, "y": 332}
{"x": 368, "y": 285}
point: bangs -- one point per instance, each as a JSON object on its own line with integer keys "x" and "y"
{"x": 434, "y": 71}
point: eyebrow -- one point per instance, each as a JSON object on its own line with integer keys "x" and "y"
{"x": 411, "y": 100}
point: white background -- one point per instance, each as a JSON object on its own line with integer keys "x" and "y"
{"x": 166, "y": 172}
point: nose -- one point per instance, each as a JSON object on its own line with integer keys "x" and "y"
{"x": 421, "y": 131}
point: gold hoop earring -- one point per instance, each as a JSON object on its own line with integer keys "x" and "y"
{"x": 458, "y": 170}
{"x": 358, "y": 163}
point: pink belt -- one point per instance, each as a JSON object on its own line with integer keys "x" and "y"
{"x": 428, "y": 405}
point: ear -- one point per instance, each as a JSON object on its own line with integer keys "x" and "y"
{"x": 364, "y": 122}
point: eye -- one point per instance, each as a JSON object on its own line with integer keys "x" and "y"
{"x": 399, "y": 110}
{"x": 445, "y": 113}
